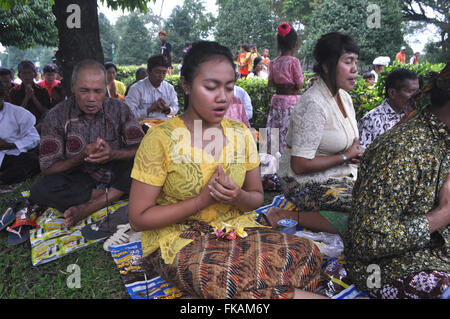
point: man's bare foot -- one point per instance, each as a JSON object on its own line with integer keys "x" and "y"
{"x": 75, "y": 214}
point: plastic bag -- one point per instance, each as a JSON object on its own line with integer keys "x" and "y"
{"x": 333, "y": 277}
{"x": 330, "y": 245}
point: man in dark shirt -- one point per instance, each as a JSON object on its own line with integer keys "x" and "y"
{"x": 88, "y": 143}
{"x": 6, "y": 77}
{"x": 166, "y": 49}
{"x": 29, "y": 95}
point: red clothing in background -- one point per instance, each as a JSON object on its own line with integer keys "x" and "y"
{"x": 48, "y": 86}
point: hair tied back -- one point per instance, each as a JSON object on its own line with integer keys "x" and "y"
{"x": 284, "y": 29}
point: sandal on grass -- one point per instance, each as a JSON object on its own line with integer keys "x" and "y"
{"x": 19, "y": 231}
{"x": 107, "y": 226}
{"x": 19, "y": 234}
{"x": 123, "y": 235}
{"x": 7, "y": 218}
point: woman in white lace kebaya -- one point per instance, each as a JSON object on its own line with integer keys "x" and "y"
{"x": 318, "y": 169}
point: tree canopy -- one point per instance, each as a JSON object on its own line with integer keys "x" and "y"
{"x": 242, "y": 21}
{"x": 356, "y": 18}
{"x": 25, "y": 26}
{"x": 436, "y": 13}
{"x": 35, "y": 23}
{"x": 188, "y": 22}
{"x": 27, "y": 23}
{"x": 134, "y": 45}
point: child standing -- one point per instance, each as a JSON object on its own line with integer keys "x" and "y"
{"x": 286, "y": 75}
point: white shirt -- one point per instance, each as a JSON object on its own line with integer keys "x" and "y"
{"x": 375, "y": 74}
{"x": 17, "y": 127}
{"x": 143, "y": 94}
{"x": 262, "y": 75}
{"x": 245, "y": 99}
{"x": 411, "y": 61}
{"x": 317, "y": 127}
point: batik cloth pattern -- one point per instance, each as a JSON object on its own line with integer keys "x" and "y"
{"x": 266, "y": 264}
{"x": 376, "y": 122}
{"x": 278, "y": 118}
{"x": 398, "y": 184}
{"x": 331, "y": 198}
{"x": 66, "y": 131}
{"x": 422, "y": 285}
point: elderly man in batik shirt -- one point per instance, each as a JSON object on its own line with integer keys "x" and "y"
{"x": 401, "y": 85}
{"x": 397, "y": 242}
{"x": 88, "y": 143}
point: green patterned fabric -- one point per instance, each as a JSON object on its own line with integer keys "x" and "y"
{"x": 398, "y": 183}
{"x": 332, "y": 198}
{"x": 338, "y": 220}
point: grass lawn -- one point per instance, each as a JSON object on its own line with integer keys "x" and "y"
{"x": 99, "y": 276}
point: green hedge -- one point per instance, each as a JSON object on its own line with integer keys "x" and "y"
{"x": 364, "y": 98}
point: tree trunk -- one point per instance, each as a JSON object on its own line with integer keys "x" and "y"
{"x": 78, "y": 33}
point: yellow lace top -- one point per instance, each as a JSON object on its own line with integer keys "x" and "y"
{"x": 166, "y": 159}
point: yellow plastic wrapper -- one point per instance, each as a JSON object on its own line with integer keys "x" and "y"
{"x": 53, "y": 239}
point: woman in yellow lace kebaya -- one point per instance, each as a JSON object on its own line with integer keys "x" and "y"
{"x": 318, "y": 168}
{"x": 194, "y": 178}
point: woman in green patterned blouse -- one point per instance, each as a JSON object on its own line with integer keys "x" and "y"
{"x": 397, "y": 241}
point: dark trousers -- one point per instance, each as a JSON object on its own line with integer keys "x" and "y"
{"x": 64, "y": 190}
{"x": 15, "y": 169}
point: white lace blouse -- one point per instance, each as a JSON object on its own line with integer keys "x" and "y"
{"x": 317, "y": 127}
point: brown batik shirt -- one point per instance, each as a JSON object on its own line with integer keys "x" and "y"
{"x": 66, "y": 131}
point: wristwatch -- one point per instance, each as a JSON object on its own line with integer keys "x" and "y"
{"x": 344, "y": 158}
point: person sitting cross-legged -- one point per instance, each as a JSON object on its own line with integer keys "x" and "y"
{"x": 401, "y": 85}
{"x": 183, "y": 190}
{"x": 28, "y": 94}
{"x": 88, "y": 143}
{"x": 18, "y": 142}
{"x": 153, "y": 97}
{"x": 397, "y": 242}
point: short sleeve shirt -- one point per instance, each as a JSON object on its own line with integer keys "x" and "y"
{"x": 66, "y": 131}
{"x": 286, "y": 70}
{"x": 166, "y": 159}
